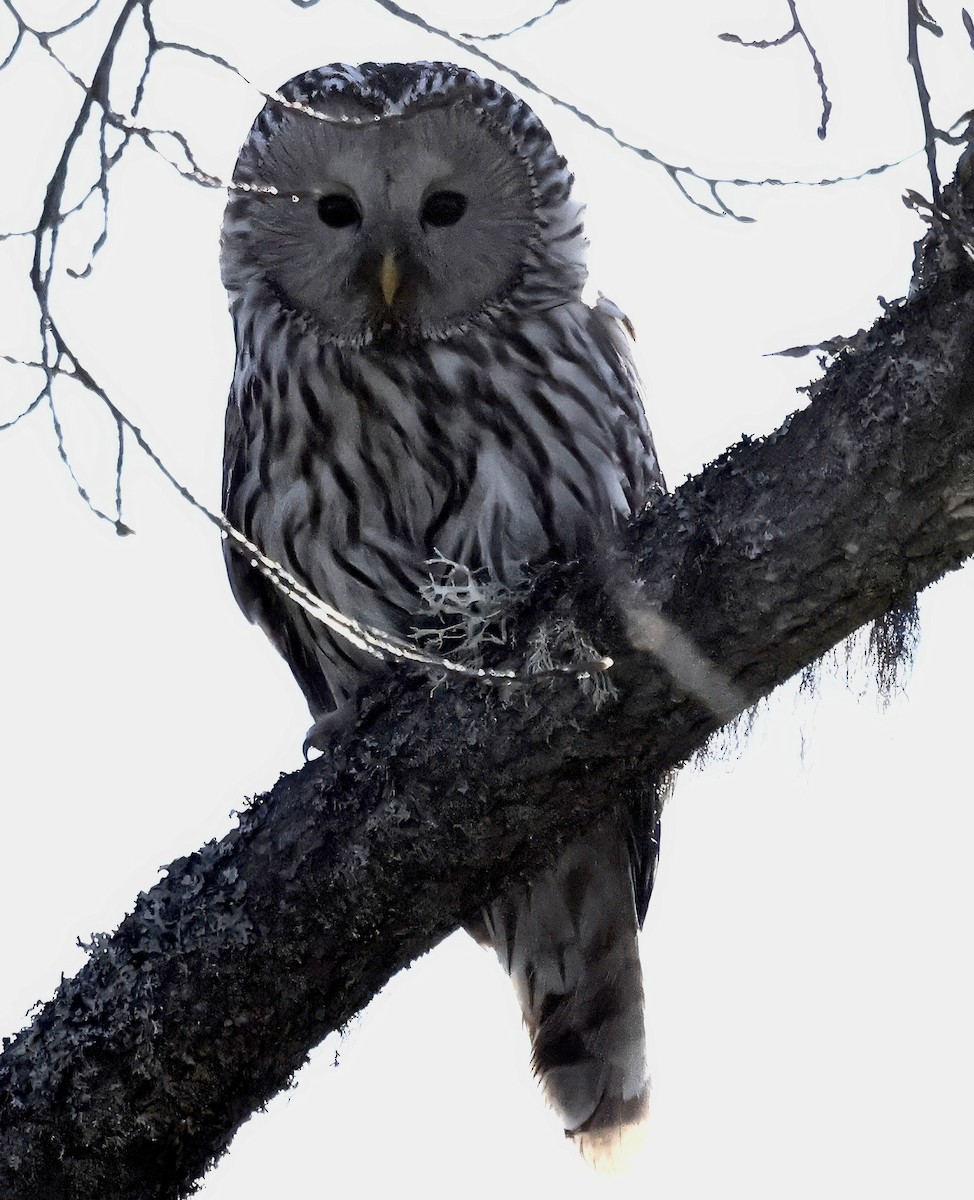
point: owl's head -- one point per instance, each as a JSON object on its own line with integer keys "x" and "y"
{"x": 411, "y": 199}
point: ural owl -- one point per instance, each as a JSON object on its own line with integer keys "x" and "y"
{"x": 418, "y": 383}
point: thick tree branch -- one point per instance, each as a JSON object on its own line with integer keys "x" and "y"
{"x": 210, "y": 995}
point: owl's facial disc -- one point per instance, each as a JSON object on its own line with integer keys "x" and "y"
{"x": 415, "y": 225}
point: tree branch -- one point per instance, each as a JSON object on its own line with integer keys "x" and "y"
{"x": 133, "y": 1079}
{"x": 918, "y": 18}
{"x": 797, "y": 30}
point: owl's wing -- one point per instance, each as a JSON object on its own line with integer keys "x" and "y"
{"x": 287, "y": 626}
{"x": 614, "y": 334}
{"x": 645, "y": 809}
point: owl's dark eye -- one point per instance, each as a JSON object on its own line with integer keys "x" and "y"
{"x": 443, "y": 208}
{"x": 338, "y": 211}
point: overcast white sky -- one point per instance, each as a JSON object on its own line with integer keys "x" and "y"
{"x": 807, "y": 951}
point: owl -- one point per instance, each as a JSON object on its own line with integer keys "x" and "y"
{"x": 420, "y": 388}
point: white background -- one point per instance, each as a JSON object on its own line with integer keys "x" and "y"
{"x": 807, "y": 951}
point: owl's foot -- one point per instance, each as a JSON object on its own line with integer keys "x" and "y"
{"x": 322, "y": 733}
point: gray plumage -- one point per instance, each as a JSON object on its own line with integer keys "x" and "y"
{"x": 418, "y": 379}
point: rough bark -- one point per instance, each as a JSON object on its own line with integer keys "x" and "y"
{"x": 210, "y": 995}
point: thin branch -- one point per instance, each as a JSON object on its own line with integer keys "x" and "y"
{"x": 796, "y": 30}
{"x": 12, "y": 53}
{"x": 528, "y": 84}
{"x": 918, "y": 18}
{"x": 75, "y": 21}
{"x": 66, "y": 460}
{"x": 34, "y": 404}
{"x": 209, "y": 56}
{"x": 675, "y": 172}
{"x": 493, "y": 37}
{"x": 55, "y": 351}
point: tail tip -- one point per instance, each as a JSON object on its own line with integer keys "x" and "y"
{"x": 615, "y": 1134}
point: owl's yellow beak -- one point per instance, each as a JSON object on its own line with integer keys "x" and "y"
{"x": 389, "y": 278}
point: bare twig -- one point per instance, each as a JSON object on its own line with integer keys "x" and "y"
{"x": 676, "y": 173}
{"x": 919, "y": 18}
{"x": 493, "y": 37}
{"x": 796, "y": 30}
{"x": 55, "y": 353}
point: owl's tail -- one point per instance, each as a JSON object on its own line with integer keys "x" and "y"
{"x": 569, "y": 944}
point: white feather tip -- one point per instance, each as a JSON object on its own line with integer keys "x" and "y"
{"x": 615, "y": 1134}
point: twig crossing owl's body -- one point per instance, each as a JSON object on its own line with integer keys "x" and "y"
{"x": 418, "y": 378}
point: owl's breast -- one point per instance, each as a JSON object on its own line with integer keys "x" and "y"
{"x": 491, "y": 451}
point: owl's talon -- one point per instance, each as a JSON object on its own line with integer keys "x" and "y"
{"x": 321, "y": 734}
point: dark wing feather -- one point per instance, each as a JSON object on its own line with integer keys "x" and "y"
{"x": 287, "y": 626}
{"x": 645, "y": 808}
{"x": 614, "y": 333}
